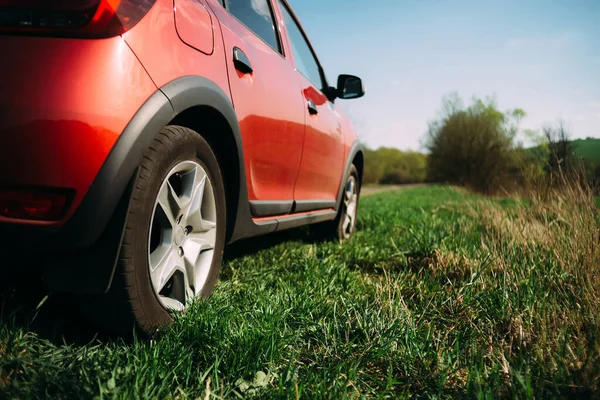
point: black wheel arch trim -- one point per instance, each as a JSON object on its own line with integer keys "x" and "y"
{"x": 94, "y": 212}
{"x": 193, "y": 91}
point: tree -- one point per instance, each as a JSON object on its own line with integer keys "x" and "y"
{"x": 472, "y": 145}
{"x": 561, "y": 148}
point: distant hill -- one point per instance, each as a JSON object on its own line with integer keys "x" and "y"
{"x": 587, "y": 148}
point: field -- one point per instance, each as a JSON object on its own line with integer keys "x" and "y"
{"x": 588, "y": 149}
{"x": 441, "y": 293}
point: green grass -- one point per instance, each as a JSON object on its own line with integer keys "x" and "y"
{"x": 440, "y": 293}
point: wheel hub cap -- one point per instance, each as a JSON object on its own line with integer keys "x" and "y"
{"x": 179, "y": 235}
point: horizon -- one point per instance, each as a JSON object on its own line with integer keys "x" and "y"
{"x": 537, "y": 56}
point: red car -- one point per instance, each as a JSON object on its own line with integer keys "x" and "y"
{"x": 139, "y": 137}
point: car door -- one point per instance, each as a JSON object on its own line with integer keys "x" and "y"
{"x": 323, "y": 151}
{"x": 266, "y": 97}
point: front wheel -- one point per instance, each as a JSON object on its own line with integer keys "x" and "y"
{"x": 174, "y": 236}
{"x": 344, "y": 225}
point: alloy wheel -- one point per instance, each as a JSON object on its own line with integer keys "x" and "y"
{"x": 183, "y": 234}
{"x": 351, "y": 207}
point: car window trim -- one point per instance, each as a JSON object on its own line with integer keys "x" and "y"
{"x": 275, "y": 21}
{"x": 290, "y": 11}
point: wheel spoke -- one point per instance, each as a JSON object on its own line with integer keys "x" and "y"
{"x": 190, "y": 293}
{"x": 193, "y": 214}
{"x": 351, "y": 210}
{"x": 349, "y": 192}
{"x": 172, "y": 304}
{"x": 194, "y": 246}
{"x": 198, "y": 242}
{"x": 163, "y": 263}
{"x": 347, "y": 222}
{"x": 351, "y": 203}
{"x": 169, "y": 202}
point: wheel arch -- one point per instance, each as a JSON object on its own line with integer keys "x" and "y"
{"x": 355, "y": 157}
{"x": 214, "y": 128}
{"x": 95, "y": 231}
{"x": 359, "y": 162}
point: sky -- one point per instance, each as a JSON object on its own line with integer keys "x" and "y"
{"x": 539, "y": 55}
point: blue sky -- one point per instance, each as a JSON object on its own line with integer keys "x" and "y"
{"x": 539, "y": 55}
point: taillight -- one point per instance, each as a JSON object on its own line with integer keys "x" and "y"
{"x": 37, "y": 205}
{"x": 71, "y": 18}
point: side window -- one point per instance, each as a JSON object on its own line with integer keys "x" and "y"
{"x": 305, "y": 59}
{"x": 258, "y": 16}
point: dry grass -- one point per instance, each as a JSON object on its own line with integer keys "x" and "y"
{"x": 4, "y": 378}
{"x": 552, "y": 236}
{"x": 561, "y": 222}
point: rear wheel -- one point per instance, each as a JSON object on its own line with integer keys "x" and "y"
{"x": 344, "y": 225}
{"x": 174, "y": 237}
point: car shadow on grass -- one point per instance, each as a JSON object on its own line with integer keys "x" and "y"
{"x": 27, "y": 306}
{"x": 250, "y": 247}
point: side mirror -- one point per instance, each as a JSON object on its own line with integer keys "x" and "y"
{"x": 350, "y": 87}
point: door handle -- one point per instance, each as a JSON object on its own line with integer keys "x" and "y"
{"x": 241, "y": 61}
{"x": 312, "y": 108}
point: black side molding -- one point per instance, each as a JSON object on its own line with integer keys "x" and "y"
{"x": 295, "y": 221}
{"x": 282, "y": 207}
{"x": 270, "y": 208}
{"x": 312, "y": 205}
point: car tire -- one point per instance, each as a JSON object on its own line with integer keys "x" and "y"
{"x": 173, "y": 240}
{"x": 344, "y": 225}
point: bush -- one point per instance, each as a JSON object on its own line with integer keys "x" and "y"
{"x": 392, "y": 166}
{"x": 473, "y": 146}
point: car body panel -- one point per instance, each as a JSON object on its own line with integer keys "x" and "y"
{"x": 156, "y": 43}
{"x": 60, "y": 121}
{"x": 350, "y": 136}
{"x": 270, "y": 110}
{"x": 323, "y": 149}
